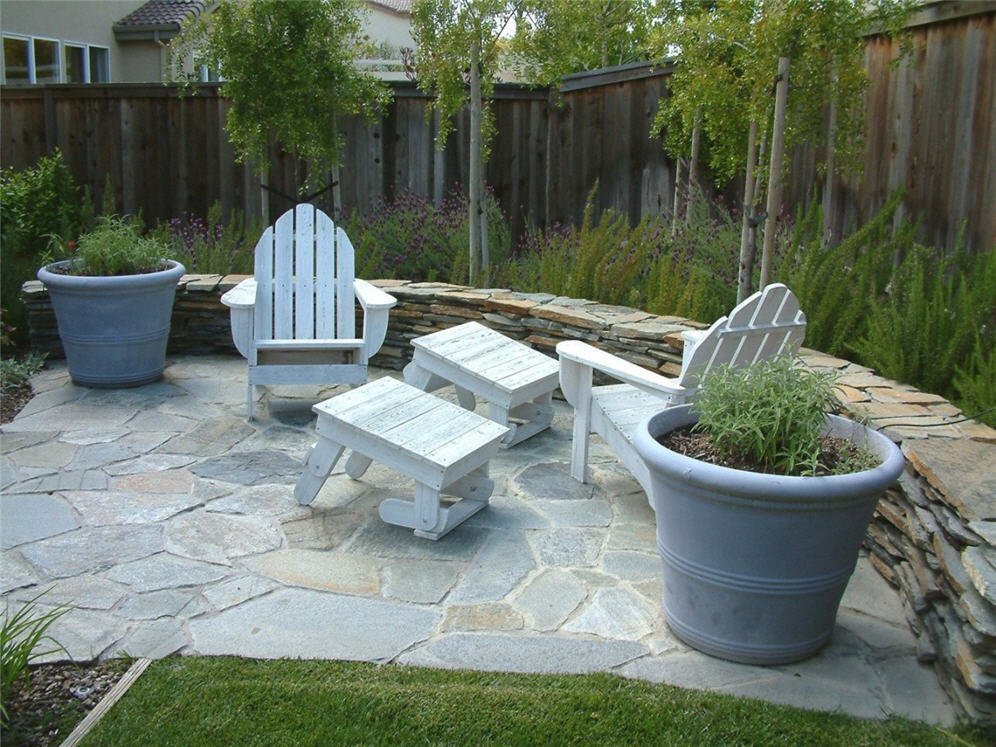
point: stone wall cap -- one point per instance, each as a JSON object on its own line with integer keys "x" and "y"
{"x": 652, "y": 328}
{"x": 961, "y": 471}
{"x": 569, "y": 315}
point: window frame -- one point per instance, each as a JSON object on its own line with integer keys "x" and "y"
{"x": 61, "y": 46}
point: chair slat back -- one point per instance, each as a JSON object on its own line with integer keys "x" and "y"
{"x": 304, "y": 279}
{"x": 765, "y": 324}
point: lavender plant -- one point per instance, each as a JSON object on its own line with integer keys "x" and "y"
{"x": 211, "y": 245}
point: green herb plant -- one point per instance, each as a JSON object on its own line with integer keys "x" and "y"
{"x": 115, "y": 247}
{"x": 774, "y": 413}
{"x": 20, "y": 636}
{"x": 15, "y": 371}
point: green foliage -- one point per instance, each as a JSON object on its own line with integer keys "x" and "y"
{"x": 648, "y": 266}
{"x": 728, "y": 58}
{"x": 20, "y": 635}
{"x": 192, "y": 700}
{"x": 34, "y": 204}
{"x": 289, "y": 71}
{"x": 116, "y": 247}
{"x": 930, "y": 322}
{"x": 554, "y": 38}
{"x": 211, "y": 245}
{"x": 771, "y": 412}
{"x": 414, "y": 238}
{"x": 446, "y": 34}
{"x": 15, "y": 371}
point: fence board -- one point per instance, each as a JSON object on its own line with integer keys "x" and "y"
{"x": 930, "y": 128}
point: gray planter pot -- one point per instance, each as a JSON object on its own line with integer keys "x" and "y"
{"x": 114, "y": 330}
{"x": 755, "y": 565}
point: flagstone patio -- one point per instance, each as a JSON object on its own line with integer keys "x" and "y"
{"x": 168, "y": 524}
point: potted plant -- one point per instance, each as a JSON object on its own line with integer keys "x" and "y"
{"x": 755, "y": 562}
{"x": 113, "y": 302}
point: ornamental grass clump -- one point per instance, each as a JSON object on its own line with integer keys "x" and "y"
{"x": 115, "y": 247}
{"x": 772, "y": 415}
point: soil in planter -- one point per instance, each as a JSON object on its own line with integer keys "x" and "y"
{"x": 697, "y": 445}
{"x": 45, "y": 708}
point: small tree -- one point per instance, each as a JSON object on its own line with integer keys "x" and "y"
{"x": 726, "y": 71}
{"x": 289, "y": 70}
{"x": 456, "y": 59}
{"x": 554, "y": 38}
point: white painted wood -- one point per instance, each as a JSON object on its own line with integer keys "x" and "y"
{"x": 295, "y": 320}
{"x": 325, "y": 270}
{"x": 344, "y": 276}
{"x": 304, "y": 273}
{"x": 480, "y": 362}
{"x": 283, "y": 277}
{"x": 765, "y": 324}
{"x": 440, "y": 445}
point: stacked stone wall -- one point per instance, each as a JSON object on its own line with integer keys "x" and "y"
{"x": 933, "y": 535}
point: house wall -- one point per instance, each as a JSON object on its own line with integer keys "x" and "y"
{"x": 384, "y": 26}
{"x": 81, "y": 21}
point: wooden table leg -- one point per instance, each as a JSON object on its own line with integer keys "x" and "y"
{"x": 321, "y": 459}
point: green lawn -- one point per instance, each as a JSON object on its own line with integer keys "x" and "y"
{"x": 191, "y": 701}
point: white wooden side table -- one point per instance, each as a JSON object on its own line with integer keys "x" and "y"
{"x": 516, "y": 381}
{"x": 442, "y": 446}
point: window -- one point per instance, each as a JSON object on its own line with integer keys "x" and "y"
{"x": 75, "y": 64}
{"x": 29, "y": 59}
{"x": 46, "y": 61}
{"x": 100, "y": 66}
{"x": 16, "y": 62}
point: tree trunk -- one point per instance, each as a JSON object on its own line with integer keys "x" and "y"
{"x": 693, "y": 166}
{"x": 775, "y": 171}
{"x": 474, "y": 208}
{"x": 746, "y": 271}
{"x": 830, "y": 181}
{"x": 679, "y": 168}
{"x": 438, "y": 163}
{"x": 264, "y": 193}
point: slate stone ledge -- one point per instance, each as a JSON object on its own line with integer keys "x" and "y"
{"x": 933, "y": 535}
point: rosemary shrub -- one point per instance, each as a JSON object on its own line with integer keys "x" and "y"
{"x": 116, "y": 247}
{"x": 773, "y": 413}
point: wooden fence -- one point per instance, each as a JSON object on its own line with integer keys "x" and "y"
{"x": 931, "y": 128}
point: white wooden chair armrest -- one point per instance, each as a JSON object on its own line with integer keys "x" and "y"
{"x": 241, "y": 300}
{"x": 579, "y": 354}
{"x": 372, "y": 297}
{"x": 376, "y": 307}
{"x": 242, "y": 295}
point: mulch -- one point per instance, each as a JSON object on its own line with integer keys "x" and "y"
{"x": 46, "y": 706}
{"x": 13, "y": 400}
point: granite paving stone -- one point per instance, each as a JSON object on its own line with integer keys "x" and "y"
{"x": 156, "y": 604}
{"x": 30, "y": 517}
{"x": 550, "y": 598}
{"x": 157, "y": 481}
{"x": 318, "y": 569}
{"x": 15, "y": 572}
{"x": 487, "y": 616}
{"x": 568, "y": 546}
{"x": 632, "y": 566}
{"x": 154, "y": 639}
{"x": 118, "y": 507}
{"x": 307, "y": 624}
{"x": 551, "y": 481}
{"x": 575, "y": 513}
{"x": 206, "y": 551}
{"x": 252, "y": 468}
{"x": 85, "y": 592}
{"x": 92, "y": 549}
{"x": 84, "y": 634}
{"x": 614, "y": 613}
{"x": 163, "y": 571}
{"x": 509, "y": 653}
{"x": 218, "y": 538}
{"x": 420, "y": 581}
{"x": 503, "y": 562}
{"x": 233, "y": 591}
{"x": 52, "y": 454}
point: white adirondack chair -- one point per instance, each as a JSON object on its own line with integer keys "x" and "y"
{"x": 295, "y": 320}
{"x": 762, "y": 326}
